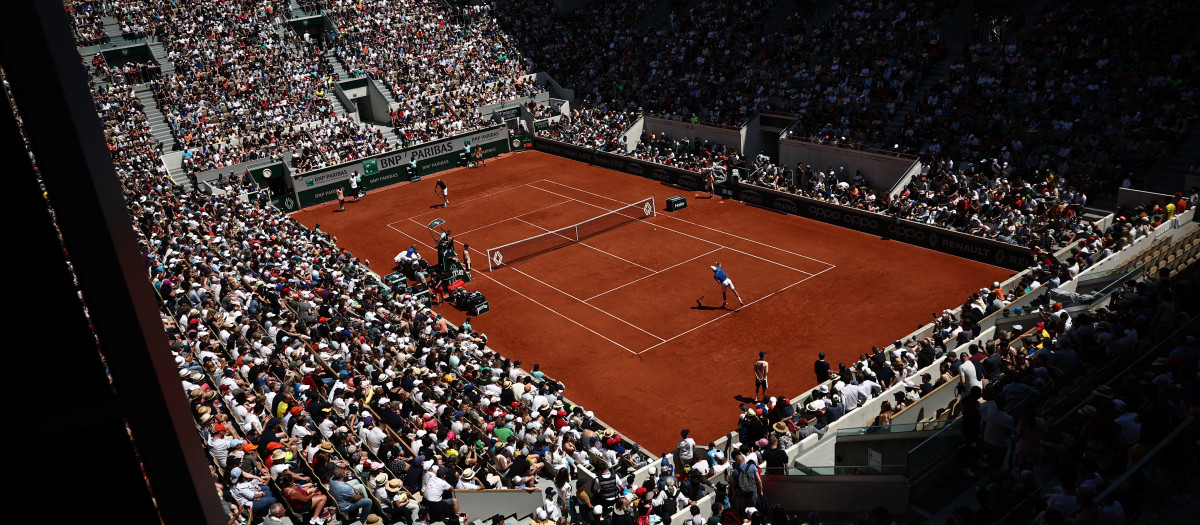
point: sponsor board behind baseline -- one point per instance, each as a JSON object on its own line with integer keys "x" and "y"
{"x": 963, "y": 245}
{"x": 947, "y": 241}
{"x": 681, "y": 178}
{"x": 613, "y": 161}
{"x": 393, "y": 167}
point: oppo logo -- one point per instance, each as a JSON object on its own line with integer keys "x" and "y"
{"x": 688, "y": 183}
{"x": 660, "y": 175}
{"x": 824, "y": 213}
{"x": 905, "y": 233}
{"x": 861, "y": 222}
{"x": 635, "y": 169}
{"x": 751, "y": 197}
{"x": 785, "y": 206}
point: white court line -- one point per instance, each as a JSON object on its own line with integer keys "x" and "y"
{"x": 653, "y": 274}
{"x": 589, "y": 246}
{"x": 460, "y": 202}
{"x": 513, "y": 217}
{"x": 692, "y": 223}
{"x": 602, "y": 336}
{"x": 598, "y": 309}
{"x": 726, "y": 314}
{"x": 534, "y": 301}
{"x": 748, "y": 254}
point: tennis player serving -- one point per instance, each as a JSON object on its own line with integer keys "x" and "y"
{"x": 442, "y": 192}
{"x": 726, "y": 285}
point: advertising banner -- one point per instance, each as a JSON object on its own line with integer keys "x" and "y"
{"x": 393, "y": 167}
{"x": 674, "y": 176}
{"x": 963, "y": 245}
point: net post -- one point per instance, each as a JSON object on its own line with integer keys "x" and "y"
{"x": 653, "y": 207}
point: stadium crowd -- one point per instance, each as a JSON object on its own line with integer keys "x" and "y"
{"x": 594, "y": 125}
{"x": 86, "y": 22}
{"x": 980, "y": 177}
{"x": 440, "y": 61}
{"x": 318, "y": 390}
{"x": 1066, "y": 98}
{"x": 848, "y": 88}
{"x": 1027, "y": 462}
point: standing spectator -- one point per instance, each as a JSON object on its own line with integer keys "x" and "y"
{"x": 775, "y": 459}
{"x": 686, "y": 448}
{"x": 821, "y": 368}
{"x": 607, "y": 487}
{"x": 760, "y": 375}
{"x": 748, "y": 481}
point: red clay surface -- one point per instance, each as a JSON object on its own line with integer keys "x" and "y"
{"x": 630, "y": 319}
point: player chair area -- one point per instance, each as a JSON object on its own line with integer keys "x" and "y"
{"x": 621, "y": 270}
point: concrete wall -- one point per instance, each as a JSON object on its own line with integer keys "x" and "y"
{"x": 881, "y": 171}
{"x": 676, "y": 129}
{"x": 380, "y": 111}
{"x": 821, "y": 453}
{"x": 633, "y": 135}
{"x": 898, "y": 186}
{"x": 751, "y": 136}
{"x": 851, "y": 451}
{"x": 832, "y": 494}
{"x": 348, "y": 105}
{"x": 1131, "y": 197}
{"x": 564, "y": 106}
{"x": 483, "y": 504}
{"x": 556, "y": 89}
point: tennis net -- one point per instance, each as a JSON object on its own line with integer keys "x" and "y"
{"x": 555, "y": 239}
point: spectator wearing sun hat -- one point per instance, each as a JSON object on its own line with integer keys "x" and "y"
{"x": 783, "y": 433}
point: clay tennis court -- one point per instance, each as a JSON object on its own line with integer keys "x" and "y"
{"x": 629, "y": 317}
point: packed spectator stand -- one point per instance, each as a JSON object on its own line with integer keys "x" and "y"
{"x": 343, "y": 385}
{"x": 1074, "y": 96}
{"x": 239, "y": 372}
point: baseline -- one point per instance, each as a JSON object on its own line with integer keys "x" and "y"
{"x": 473, "y": 199}
{"x": 727, "y": 314}
{"x": 517, "y": 217}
